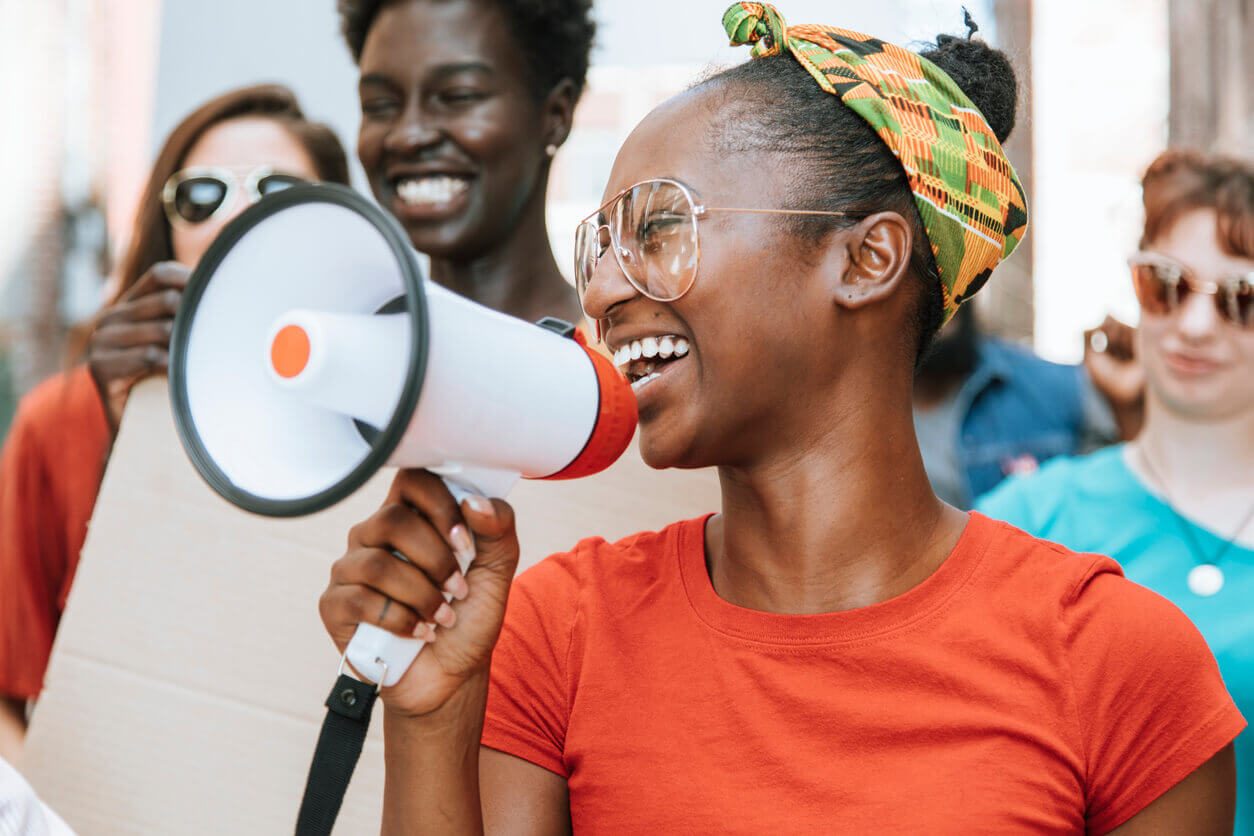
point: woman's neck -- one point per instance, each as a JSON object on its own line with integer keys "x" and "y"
{"x": 843, "y": 520}
{"x": 1198, "y": 457}
{"x": 519, "y": 276}
{"x": 1205, "y": 470}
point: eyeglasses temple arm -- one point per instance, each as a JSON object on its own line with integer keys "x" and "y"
{"x": 701, "y": 210}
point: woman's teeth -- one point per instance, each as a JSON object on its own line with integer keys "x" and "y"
{"x": 430, "y": 191}
{"x": 640, "y": 360}
{"x": 637, "y": 385}
{"x": 649, "y": 348}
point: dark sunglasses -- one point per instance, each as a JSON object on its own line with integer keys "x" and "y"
{"x": 195, "y": 195}
{"x": 1162, "y": 286}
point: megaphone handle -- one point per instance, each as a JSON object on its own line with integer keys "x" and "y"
{"x": 379, "y": 656}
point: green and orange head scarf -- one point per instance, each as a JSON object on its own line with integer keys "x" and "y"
{"x": 969, "y": 197}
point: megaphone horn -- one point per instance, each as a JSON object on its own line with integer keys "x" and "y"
{"x": 308, "y": 353}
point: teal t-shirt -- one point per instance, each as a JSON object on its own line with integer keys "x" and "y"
{"x": 1096, "y": 504}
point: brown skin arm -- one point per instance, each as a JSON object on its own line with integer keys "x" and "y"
{"x": 1203, "y": 804}
{"x": 433, "y": 719}
{"x": 520, "y": 798}
{"x": 12, "y": 728}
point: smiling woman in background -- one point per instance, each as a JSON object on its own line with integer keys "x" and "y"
{"x": 1176, "y": 507}
{"x": 219, "y": 160}
{"x": 464, "y": 103}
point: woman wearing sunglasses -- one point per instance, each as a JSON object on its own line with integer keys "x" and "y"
{"x": 223, "y": 157}
{"x": 836, "y": 650}
{"x": 1176, "y": 506}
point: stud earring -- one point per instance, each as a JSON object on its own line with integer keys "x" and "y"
{"x": 551, "y": 150}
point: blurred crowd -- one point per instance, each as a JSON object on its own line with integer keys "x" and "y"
{"x": 1143, "y": 452}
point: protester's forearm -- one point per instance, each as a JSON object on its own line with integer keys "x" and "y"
{"x": 12, "y": 728}
{"x": 432, "y": 784}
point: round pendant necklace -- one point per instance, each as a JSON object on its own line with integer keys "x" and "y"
{"x": 1206, "y": 578}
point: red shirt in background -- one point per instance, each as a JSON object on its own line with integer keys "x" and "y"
{"x": 1020, "y": 688}
{"x": 50, "y": 473}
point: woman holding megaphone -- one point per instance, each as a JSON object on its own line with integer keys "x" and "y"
{"x": 836, "y": 650}
{"x": 221, "y": 158}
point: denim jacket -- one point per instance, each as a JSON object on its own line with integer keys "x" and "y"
{"x": 1016, "y": 410}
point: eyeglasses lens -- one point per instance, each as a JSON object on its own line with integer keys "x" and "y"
{"x": 657, "y": 228}
{"x": 1162, "y": 288}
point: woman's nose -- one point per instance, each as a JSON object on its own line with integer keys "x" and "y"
{"x": 1197, "y": 318}
{"x": 607, "y": 287}
{"x": 413, "y": 131}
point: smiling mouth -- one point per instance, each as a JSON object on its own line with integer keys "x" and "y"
{"x": 642, "y": 360}
{"x": 1192, "y": 365}
{"x": 430, "y": 191}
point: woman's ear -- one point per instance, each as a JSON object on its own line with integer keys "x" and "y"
{"x": 873, "y": 260}
{"x": 559, "y": 112}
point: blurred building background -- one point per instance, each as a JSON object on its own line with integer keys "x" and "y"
{"x": 89, "y": 89}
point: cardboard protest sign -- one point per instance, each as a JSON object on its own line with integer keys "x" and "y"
{"x": 187, "y": 682}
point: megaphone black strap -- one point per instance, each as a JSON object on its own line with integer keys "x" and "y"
{"x": 339, "y": 746}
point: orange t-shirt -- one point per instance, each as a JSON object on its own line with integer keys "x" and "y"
{"x": 1020, "y": 688}
{"x": 50, "y": 474}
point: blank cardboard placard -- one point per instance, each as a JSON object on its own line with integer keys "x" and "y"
{"x": 186, "y": 684}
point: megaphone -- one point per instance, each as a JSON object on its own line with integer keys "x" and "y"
{"x": 308, "y": 352}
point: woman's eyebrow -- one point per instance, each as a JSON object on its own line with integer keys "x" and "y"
{"x": 442, "y": 70}
{"x": 436, "y": 73}
{"x": 375, "y": 80}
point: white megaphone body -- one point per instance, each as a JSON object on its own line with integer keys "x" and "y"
{"x": 308, "y": 353}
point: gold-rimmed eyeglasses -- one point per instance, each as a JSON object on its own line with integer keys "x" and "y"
{"x": 652, "y": 229}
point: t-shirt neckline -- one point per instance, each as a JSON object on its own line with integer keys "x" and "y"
{"x": 861, "y": 624}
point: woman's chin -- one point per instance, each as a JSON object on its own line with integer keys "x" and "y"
{"x": 662, "y": 448}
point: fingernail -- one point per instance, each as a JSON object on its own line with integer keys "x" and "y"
{"x": 480, "y": 505}
{"x": 445, "y": 616}
{"x": 424, "y": 632}
{"x": 463, "y": 544}
{"x": 456, "y": 586}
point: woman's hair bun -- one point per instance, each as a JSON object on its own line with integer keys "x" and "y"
{"x": 984, "y": 74}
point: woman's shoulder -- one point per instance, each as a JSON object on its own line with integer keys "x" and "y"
{"x": 59, "y": 431}
{"x": 1097, "y": 610}
{"x": 1036, "y": 501}
{"x": 1100, "y": 469}
{"x": 68, "y": 396}
{"x": 1145, "y": 689}
{"x": 1087, "y": 591}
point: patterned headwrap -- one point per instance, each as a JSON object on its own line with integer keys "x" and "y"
{"x": 969, "y": 197}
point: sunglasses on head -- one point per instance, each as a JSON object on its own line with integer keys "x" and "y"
{"x": 651, "y": 228}
{"x": 195, "y": 195}
{"x": 1162, "y": 286}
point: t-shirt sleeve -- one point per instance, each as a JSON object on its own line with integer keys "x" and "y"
{"x": 1151, "y": 705}
{"x": 32, "y": 566}
{"x": 531, "y": 686}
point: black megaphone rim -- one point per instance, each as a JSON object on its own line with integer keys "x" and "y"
{"x": 387, "y": 440}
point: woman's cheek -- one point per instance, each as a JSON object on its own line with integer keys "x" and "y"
{"x": 190, "y": 242}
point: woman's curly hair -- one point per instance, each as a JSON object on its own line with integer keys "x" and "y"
{"x": 555, "y": 36}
